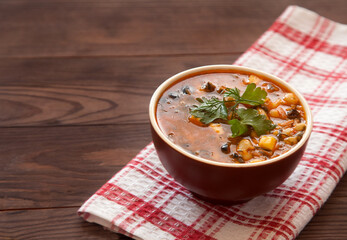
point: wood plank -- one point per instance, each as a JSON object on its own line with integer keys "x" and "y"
{"x": 63, "y": 166}
{"x": 137, "y": 72}
{"x": 123, "y": 28}
{"x": 64, "y": 105}
{"x": 63, "y": 223}
{"x": 50, "y": 224}
{"x": 75, "y": 91}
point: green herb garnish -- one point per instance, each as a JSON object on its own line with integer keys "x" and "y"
{"x": 252, "y": 96}
{"x": 237, "y": 128}
{"x": 210, "y": 110}
{"x": 250, "y": 117}
{"x": 213, "y": 108}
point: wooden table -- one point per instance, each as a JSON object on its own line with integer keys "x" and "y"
{"x": 75, "y": 82}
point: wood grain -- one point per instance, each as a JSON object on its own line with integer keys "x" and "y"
{"x": 89, "y": 91}
{"x": 138, "y": 72}
{"x": 63, "y": 166}
{"x": 58, "y": 223}
{"x": 127, "y": 28}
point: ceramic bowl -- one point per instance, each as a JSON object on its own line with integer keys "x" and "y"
{"x": 225, "y": 182}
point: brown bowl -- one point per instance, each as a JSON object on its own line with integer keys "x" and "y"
{"x": 225, "y": 182}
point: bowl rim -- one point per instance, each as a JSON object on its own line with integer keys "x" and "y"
{"x": 220, "y": 67}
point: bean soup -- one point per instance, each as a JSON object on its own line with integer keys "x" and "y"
{"x": 231, "y": 117}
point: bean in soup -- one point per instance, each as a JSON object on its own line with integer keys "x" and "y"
{"x": 231, "y": 117}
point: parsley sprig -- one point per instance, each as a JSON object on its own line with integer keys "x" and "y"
{"x": 250, "y": 117}
{"x": 214, "y": 108}
{"x": 210, "y": 110}
{"x": 252, "y": 96}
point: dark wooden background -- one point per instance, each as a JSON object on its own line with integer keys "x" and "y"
{"x": 76, "y": 77}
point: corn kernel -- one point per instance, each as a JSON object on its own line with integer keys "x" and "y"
{"x": 290, "y": 99}
{"x": 268, "y": 142}
{"x": 244, "y": 144}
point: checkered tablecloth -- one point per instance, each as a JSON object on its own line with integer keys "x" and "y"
{"x": 144, "y": 202}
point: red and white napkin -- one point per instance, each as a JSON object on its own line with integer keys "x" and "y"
{"x": 144, "y": 202}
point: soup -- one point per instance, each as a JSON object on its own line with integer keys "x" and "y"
{"x": 231, "y": 117}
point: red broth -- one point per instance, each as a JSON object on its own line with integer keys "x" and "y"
{"x": 213, "y": 141}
